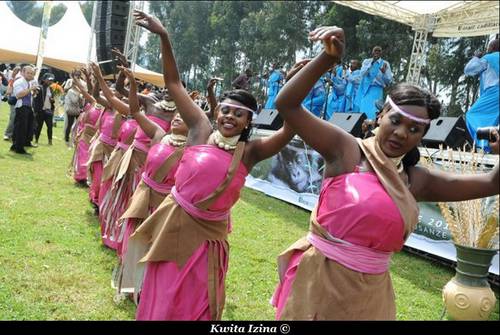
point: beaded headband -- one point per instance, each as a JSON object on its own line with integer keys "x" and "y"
{"x": 236, "y": 106}
{"x": 406, "y": 114}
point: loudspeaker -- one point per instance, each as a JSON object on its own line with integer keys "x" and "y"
{"x": 268, "y": 119}
{"x": 448, "y": 131}
{"x": 350, "y": 122}
{"x": 111, "y": 30}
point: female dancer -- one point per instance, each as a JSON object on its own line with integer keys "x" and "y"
{"x": 188, "y": 258}
{"x": 128, "y": 176}
{"x": 156, "y": 182}
{"x": 108, "y": 127}
{"x": 125, "y": 138}
{"x": 367, "y": 205}
{"x": 85, "y": 130}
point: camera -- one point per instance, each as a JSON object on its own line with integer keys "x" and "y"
{"x": 486, "y": 133}
{"x": 108, "y": 67}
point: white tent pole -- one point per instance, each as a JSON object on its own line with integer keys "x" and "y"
{"x": 47, "y": 8}
{"x": 92, "y": 31}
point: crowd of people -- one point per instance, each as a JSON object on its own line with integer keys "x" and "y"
{"x": 165, "y": 167}
{"x": 342, "y": 89}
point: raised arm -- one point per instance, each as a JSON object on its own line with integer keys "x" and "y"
{"x": 435, "y": 185}
{"x": 116, "y": 103}
{"x": 90, "y": 99}
{"x": 194, "y": 117}
{"x": 329, "y": 140}
{"x": 154, "y": 131}
{"x": 96, "y": 93}
{"x": 212, "y": 100}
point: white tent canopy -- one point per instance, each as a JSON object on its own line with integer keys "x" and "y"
{"x": 448, "y": 18}
{"x": 66, "y": 46}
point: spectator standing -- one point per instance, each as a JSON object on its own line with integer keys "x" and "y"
{"x": 43, "y": 105}
{"x": 23, "y": 90}
{"x": 73, "y": 102}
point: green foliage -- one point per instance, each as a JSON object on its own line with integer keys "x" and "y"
{"x": 31, "y": 12}
{"x": 87, "y": 8}
{"x": 53, "y": 265}
{"x": 444, "y": 67}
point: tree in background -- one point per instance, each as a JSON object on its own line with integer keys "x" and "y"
{"x": 222, "y": 38}
{"x": 31, "y": 12}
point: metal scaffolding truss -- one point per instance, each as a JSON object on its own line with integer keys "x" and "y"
{"x": 417, "y": 56}
{"x": 133, "y": 34}
{"x": 459, "y": 19}
{"x": 385, "y": 9}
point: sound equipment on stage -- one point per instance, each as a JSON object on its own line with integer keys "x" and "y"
{"x": 448, "y": 131}
{"x": 111, "y": 30}
{"x": 268, "y": 119}
{"x": 350, "y": 122}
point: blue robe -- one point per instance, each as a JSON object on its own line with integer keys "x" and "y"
{"x": 273, "y": 87}
{"x": 315, "y": 99}
{"x": 371, "y": 88}
{"x": 336, "y": 98}
{"x": 484, "y": 112}
{"x": 353, "y": 80}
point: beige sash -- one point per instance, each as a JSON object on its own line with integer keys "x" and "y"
{"x": 389, "y": 178}
{"x": 175, "y": 235}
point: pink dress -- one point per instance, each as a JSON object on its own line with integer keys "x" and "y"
{"x": 96, "y": 167}
{"x": 124, "y": 185}
{"x": 127, "y": 130}
{"x": 356, "y": 208}
{"x": 86, "y": 125}
{"x": 170, "y": 293}
{"x": 156, "y": 156}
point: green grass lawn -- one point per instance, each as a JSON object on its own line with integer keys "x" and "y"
{"x": 54, "y": 267}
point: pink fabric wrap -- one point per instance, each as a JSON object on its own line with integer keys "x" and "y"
{"x": 142, "y": 141}
{"x": 122, "y": 189}
{"x": 354, "y": 257}
{"x": 156, "y": 156}
{"x": 355, "y": 208}
{"x": 82, "y": 148}
{"x": 170, "y": 293}
{"x": 107, "y": 139}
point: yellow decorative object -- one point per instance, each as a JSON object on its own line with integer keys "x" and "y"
{"x": 465, "y": 302}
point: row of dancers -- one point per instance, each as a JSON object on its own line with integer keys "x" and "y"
{"x": 164, "y": 175}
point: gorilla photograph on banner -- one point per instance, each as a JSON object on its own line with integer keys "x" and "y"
{"x": 296, "y": 167}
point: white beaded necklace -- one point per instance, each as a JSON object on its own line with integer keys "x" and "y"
{"x": 226, "y": 143}
{"x": 174, "y": 140}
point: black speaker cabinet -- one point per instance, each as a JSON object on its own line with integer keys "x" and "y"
{"x": 111, "y": 28}
{"x": 350, "y": 122}
{"x": 268, "y": 119}
{"x": 448, "y": 131}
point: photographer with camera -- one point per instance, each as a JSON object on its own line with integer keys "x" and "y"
{"x": 43, "y": 105}
{"x": 484, "y": 112}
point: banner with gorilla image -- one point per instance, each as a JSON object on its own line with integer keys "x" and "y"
{"x": 295, "y": 174}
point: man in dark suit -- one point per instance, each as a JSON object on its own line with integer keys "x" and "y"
{"x": 43, "y": 104}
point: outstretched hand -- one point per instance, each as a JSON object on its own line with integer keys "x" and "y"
{"x": 211, "y": 83}
{"x": 333, "y": 39}
{"x": 96, "y": 70}
{"x": 120, "y": 57}
{"x": 296, "y": 68}
{"x": 495, "y": 145}
{"x": 149, "y": 22}
{"x": 127, "y": 72}
{"x": 193, "y": 95}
